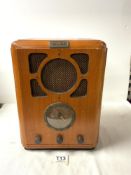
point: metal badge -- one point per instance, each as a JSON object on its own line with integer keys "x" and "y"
{"x": 59, "y": 44}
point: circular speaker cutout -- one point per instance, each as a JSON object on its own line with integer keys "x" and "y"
{"x": 58, "y": 75}
{"x": 59, "y": 116}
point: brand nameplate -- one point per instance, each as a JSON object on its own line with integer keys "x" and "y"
{"x": 59, "y": 44}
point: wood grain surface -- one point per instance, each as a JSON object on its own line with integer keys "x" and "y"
{"x": 32, "y": 109}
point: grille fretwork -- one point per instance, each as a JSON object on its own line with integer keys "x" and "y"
{"x": 82, "y": 60}
{"x": 81, "y": 90}
{"x": 34, "y": 61}
{"x": 36, "y": 89}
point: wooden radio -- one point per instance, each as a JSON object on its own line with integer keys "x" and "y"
{"x": 59, "y": 89}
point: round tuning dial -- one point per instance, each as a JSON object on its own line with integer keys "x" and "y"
{"x": 59, "y": 116}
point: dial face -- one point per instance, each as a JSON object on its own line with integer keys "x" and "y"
{"x": 59, "y": 116}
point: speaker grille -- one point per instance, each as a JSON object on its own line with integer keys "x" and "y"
{"x": 82, "y": 60}
{"x": 81, "y": 90}
{"x": 36, "y": 89}
{"x": 34, "y": 61}
{"x": 58, "y": 75}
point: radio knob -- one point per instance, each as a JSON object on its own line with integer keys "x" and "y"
{"x": 38, "y": 139}
{"x": 80, "y": 139}
{"x": 59, "y": 139}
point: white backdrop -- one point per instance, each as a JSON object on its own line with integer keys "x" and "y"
{"x": 106, "y": 20}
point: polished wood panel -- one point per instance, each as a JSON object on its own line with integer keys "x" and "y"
{"x": 31, "y": 109}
